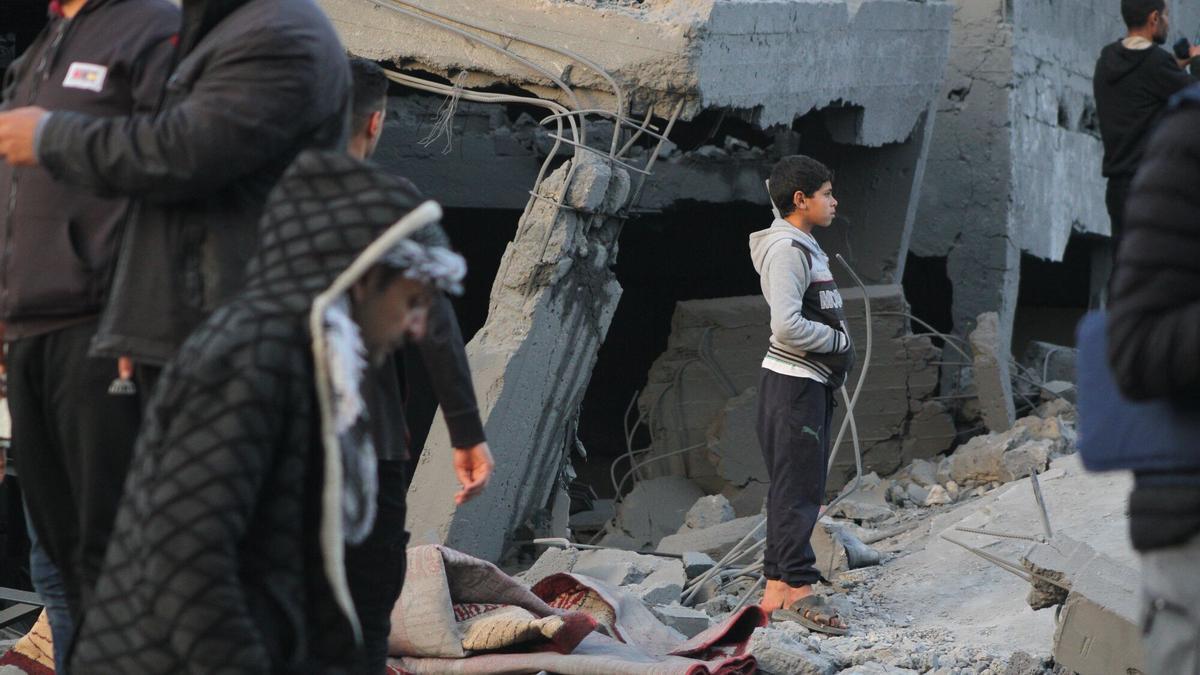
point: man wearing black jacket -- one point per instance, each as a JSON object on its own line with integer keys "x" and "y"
{"x": 57, "y": 246}
{"x": 375, "y": 568}
{"x": 1153, "y": 338}
{"x": 1134, "y": 78}
{"x": 253, "y": 83}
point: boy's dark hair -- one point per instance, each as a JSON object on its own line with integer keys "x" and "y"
{"x": 1137, "y": 12}
{"x": 370, "y": 90}
{"x": 796, "y": 173}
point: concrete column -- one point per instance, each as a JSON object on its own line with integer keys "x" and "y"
{"x": 551, "y": 305}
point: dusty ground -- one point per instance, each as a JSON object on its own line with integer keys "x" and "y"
{"x": 933, "y": 606}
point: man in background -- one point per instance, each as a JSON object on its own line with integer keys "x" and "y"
{"x": 59, "y": 242}
{"x": 375, "y": 567}
{"x": 1134, "y": 78}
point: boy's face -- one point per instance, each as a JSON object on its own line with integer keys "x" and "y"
{"x": 388, "y": 314}
{"x": 819, "y": 208}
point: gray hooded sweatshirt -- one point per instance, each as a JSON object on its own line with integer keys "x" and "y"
{"x": 808, "y": 328}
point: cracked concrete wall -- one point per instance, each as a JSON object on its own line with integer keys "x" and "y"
{"x": 962, "y": 213}
{"x": 1055, "y": 140}
{"x": 1014, "y": 164}
{"x": 777, "y": 58}
{"x": 551, "y": 306}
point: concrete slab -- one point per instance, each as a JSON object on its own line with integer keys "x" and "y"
{"x": 883, "y": 58}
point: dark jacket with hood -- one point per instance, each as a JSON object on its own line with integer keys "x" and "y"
{"x": 58, "y": 241}
{"x": 254, "y": 467}
{"x": 1132, "y": 87}
{"x": 256, "y": 82}
{"x": 1154, "y": 310}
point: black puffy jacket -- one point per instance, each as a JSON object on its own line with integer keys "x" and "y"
{"x": 226, "y": 555}
{"x": 256, "y": 82}
{"x": 1154, "y": 311}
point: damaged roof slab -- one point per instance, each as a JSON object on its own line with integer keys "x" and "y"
{"x": 883, "y": 59}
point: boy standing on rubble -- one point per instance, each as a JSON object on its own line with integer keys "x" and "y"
{"x": 808, "y": 358}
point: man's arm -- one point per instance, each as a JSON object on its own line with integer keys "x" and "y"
{"x": 1170, "y": 76}
{"x": 245, "y": 109}
{"x": 445, "y": 359}
{"x": 787, "y": 278}
{"x": 1154, "y": 312}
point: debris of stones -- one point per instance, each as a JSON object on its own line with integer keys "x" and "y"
{"x": 656, "y": 508}
{"x": 778, "y": 652}
{"x": 690, "y": 622}
{"x": 707, "y": 512}
{"x": 696, "y": 563}
{"x": 714, "y": 541}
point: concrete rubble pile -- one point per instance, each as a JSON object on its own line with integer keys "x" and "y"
{"x": 982, "y": 486}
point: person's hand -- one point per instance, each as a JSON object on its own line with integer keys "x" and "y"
{"x": 473, "y": 466}
{"x": 17, "y": 129}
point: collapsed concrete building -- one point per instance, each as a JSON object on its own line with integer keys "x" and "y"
{"x": 853, "y": 82}
{"x": 964, "y": 141}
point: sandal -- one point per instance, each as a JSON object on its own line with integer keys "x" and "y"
{"x": 813, "y": 613}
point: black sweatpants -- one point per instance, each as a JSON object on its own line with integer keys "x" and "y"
{"x": 794, "y": 416}
{"x": 1114, "y": 200}
{"x": 73, "y": 441}
{"x": 375, "y": 568}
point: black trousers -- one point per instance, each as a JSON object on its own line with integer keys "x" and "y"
{"x": 1114, "y": 201}
{"x": 794, "y": 417}
{"x": 73, "y": 441}
{"x": 375, "y": 568}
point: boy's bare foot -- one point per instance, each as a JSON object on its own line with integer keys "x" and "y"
{"x": 779, "y": 595}
{"x": 773, "y": 596}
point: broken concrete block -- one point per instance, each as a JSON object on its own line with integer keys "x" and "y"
{"x": 916, "y": 494}
{"x": 993, "y": 385}
{"x": 923, "y": 473}
{"x": 619, "y": 568}
{"x": 690, "y": 622}
{"x": 1060, "y": 560}
{"x": 1098, "y": 631}
{"x": 937, "y": 496}
{"x": 657, "y": 507}
{"x": 943, "y": 474}
{"x": 868, "y": 503}
{"x": 952, "y": 490}
{"x": 708, "y": 511}
{"x": 663, "y": 586}
{"x": 1027, "y": 458}
{"x": 715, "y": 541}
{"x": 748, "y": 500}
{"x": 779, "y": 653}
{"x": 1053, "y": 429}
{"x": 696, "y": 563}
{"x": 733, "y": 441}
{"x": 981, "y": 459}
{"x": 552, "y": 561}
